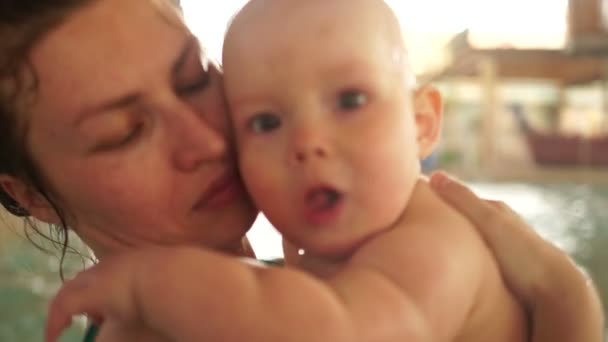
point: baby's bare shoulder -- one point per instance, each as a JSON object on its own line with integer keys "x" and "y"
{"x": 428, "y": 232}
{"x": 435, "y": 257}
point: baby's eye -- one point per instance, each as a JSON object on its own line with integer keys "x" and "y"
{"x": 264, "y": 122}
{"x": 351, "y": 99}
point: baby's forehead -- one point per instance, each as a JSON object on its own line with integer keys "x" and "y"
{"x": 364, "y": 31}
{"x": 293, "y": 22}
{"x": 374, "y": 15}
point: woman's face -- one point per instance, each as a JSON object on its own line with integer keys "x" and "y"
{"x": 129, "y": 129}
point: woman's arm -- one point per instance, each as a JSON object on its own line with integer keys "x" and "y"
{"x": 563, "y": 302}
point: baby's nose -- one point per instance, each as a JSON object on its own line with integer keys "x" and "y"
{"x": 306, "y": 153}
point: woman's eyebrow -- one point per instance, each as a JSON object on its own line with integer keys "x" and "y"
{"x": 190, "y": 44}
{"x": 128, "y": 99}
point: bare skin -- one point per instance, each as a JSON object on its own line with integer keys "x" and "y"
{"x": 132, "y": 178}
{"x": 133, "y": 139}
{"x": 409, "y": 268}
{"x": 570, "y": 312}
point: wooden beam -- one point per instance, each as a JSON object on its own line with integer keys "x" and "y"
{"x": 552, "y": 65}
{"x": 587, "y": 27}
{"x": 584, "y": 17}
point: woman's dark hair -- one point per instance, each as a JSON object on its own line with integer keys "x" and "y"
{"x": 23, "y": 23}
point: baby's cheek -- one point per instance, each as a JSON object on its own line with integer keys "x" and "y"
{"x": 268, "y": 194}
{"x": 387, "y": 161}
{"x": 258, "y": 177}
{"x": 388, "y": 177}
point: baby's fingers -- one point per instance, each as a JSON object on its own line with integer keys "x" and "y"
{"x": 76, "y": 297}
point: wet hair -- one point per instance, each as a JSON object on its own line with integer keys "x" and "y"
{"x": 23, "y": 23}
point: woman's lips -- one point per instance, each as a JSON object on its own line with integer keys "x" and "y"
{"x": 221, "y": 192}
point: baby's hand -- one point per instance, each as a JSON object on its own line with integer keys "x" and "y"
{"x": 104, "y": 293}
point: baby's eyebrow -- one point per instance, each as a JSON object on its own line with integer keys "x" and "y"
{"x": 349, "y": 67}
{"x": 248, "y": 100}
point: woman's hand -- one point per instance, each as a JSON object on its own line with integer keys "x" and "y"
{"x": 563, "y": 302}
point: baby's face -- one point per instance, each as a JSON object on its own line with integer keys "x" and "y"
{"x": 322, "y": 114}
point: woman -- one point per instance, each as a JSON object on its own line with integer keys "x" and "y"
{"x": 128, "y": 144}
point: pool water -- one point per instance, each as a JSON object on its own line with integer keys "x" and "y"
{"x": 28, "y": 278}
{"x": 573, "y": 216}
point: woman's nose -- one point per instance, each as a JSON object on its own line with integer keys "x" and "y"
{"x": 197, "y": 141}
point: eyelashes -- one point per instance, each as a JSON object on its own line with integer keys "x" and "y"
{"x": 194, "y": 87}
{"x": 115, "y": 144}
{"x": 346, "y": 101}
{"x": 349, "y": 100}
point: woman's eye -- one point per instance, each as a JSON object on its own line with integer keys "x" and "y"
{"x": 132, "y": 135}
{"x": 351, "y": 99}
{"x": 265, "y": 122}
{"x": 195, "y": 86}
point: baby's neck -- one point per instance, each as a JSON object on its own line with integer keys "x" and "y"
{"x": 318, "y": 266}
{"x": 321, "y": 267}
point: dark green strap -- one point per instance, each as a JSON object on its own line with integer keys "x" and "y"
{"x": 92, "y": 332}
{"x": 274, "y": 262}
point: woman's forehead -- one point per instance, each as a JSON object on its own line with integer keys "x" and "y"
{"x": 108, "y": 31}
{"x": 103, "y": 47}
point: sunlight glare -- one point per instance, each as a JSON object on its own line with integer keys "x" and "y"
{"x": 428, "y": 24}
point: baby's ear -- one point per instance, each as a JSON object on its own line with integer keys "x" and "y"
{"x": 428, "y": 111}
{"x": 29, "y": 200}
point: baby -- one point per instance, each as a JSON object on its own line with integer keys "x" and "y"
{"x": 330, "y": 142}
{"x": 330, "y": 133}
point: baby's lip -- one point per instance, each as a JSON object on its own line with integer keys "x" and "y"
{"x": 322, "y": 204}
{"x": 320, "y": 197}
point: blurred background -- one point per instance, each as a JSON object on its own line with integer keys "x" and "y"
{"x": 526, "y": 121}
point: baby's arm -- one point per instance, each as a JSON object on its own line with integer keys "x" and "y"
{"x": 565, "y": 304}
{"x": 190, "y": 294}
{"x": 408, "y": 285}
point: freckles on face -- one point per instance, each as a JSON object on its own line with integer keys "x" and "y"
{"x": 143, "y": 185}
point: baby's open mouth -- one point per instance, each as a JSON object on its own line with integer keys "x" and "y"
{"x": 323, "y": 198}
{"x": 323, "y": 205}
